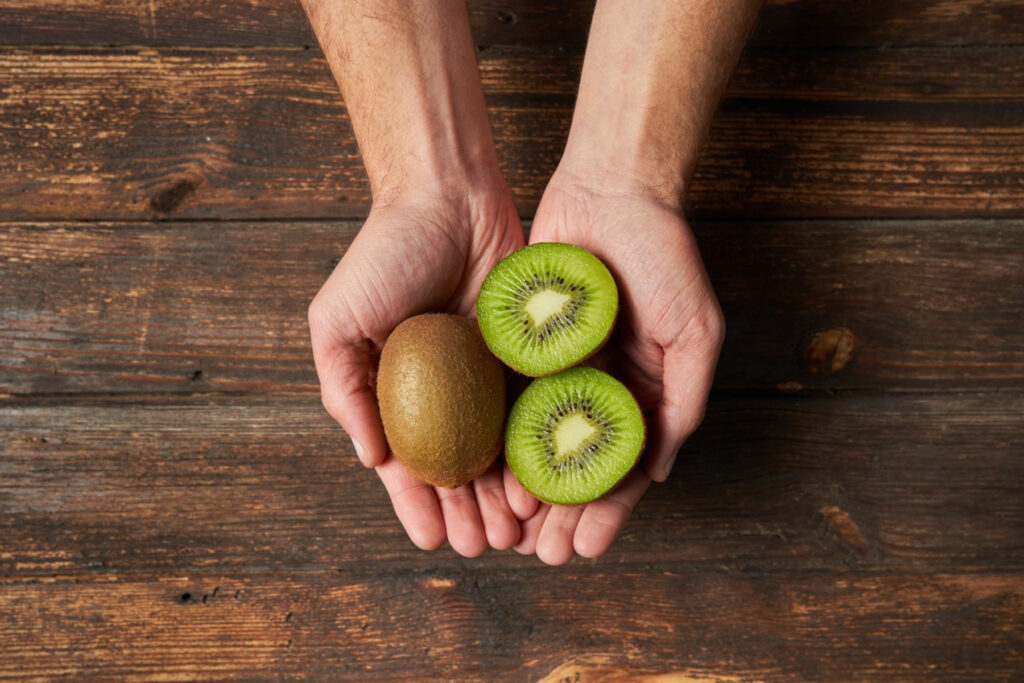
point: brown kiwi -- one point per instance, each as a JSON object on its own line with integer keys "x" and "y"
{"x": 442, "y": 398}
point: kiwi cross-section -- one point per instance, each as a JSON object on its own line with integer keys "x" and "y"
{"x": 547, "y": 307}
{"x": 573, "y": 436}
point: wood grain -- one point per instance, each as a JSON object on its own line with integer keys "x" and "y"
{"x": 159, "y": 484}
{"x": 825, "y": 23}
{"x": 168, "y": 307}
{"x": 175, "y": 503}
{"x": 516, "y": 626}
{"x": 140, "y": 134}
{"x": 222, "y": 306}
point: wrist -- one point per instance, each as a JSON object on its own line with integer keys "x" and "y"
{"x": 457, "y": 189}
{"x": 411, "y": 86}
{"x": 442, "y": 164}
{"x": 634, "y": 147}
{"x": 651, "y": 80}
{"x": 457, "y": 206}
{"x": 606, "y": 174}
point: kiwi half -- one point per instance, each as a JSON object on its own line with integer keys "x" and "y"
{"x": 573, "y": 436}
{"x": 547, "y": 307}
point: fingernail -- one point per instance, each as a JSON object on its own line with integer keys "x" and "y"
{"x": 359, "y": 451}
{"x": 668, "y": 465}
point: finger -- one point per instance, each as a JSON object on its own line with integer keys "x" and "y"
{"x": 415, "y": 505}
{"x": 500, "y": 525}
{"x": 603, "y": 519}
{"x": 355, "y": 409}
{"x": 462, "y": 520}
{"x": 344, "y": 362}
{"x": 687, "y": 383}
{"x": 522, "y": 504}
{"x": 530, "y": 530}
{"x": 554, "y": 545}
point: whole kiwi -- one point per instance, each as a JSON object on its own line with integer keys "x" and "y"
{"x": 442, "y": 398}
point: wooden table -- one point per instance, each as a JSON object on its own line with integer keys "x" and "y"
{"x": 177, "y": 178}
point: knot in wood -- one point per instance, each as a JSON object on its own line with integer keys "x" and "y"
{"x": 829, "y": 351}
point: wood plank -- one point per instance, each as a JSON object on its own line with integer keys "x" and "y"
{"x": 231, "y": 484}
{"x": 578, "y": 625}
{"x": 824, "y": 23}
{"x": 909, "y": 303}
{"x": 180, "y": 308}
{"x": 222, "y": 306}
{"x": 138, "y": 134}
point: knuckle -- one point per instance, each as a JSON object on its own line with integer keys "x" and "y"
{"x": 707, "y": 330}
{"x": 316, "y": 315}
{"x": 719, "y": 324}
{"x": 613, "y": 514}
{"x": 331, "y": 404}
{"x": 690, "y": 423}
{"x": 714, "y": 325}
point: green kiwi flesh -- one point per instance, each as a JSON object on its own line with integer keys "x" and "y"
{"x": 442, "y": 399}
{"x": 571, "y": 437}
{"x": 547, "y": 307}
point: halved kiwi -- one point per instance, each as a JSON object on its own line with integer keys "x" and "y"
{"x": 573, "y": 436}
{"x": 547, "y": 307}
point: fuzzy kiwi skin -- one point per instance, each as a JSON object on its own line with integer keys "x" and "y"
{"x": 442, "y": 398}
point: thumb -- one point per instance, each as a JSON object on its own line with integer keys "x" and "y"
{"x": 686, "y": 383}
{"x": 344, "y": 361}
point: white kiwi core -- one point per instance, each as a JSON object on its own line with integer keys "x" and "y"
{"x": 571, "y": 433}
{"x": 545, "y": 304}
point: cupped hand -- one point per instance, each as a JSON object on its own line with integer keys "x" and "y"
{"x": 419, "y": 253}
{"x": 665, "y": 346}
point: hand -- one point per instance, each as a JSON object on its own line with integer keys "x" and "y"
{"x": 419, "y": 253}
{"x": 665, "y": 347}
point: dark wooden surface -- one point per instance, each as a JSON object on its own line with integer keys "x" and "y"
{"x": 140, "y": 133}
{"x": 154, "y": 483}
{"x": 175, "y": 504}
{"x": 220, "y": 306}
{"x": 238, "y": 23}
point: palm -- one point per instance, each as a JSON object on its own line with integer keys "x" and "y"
{"x": 410, "y": 258}
{"x": 664, "y": 348}
{"x": 407, "y": 260}
{"x": 662, "y": 283}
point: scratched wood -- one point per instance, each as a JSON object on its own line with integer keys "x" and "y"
{"x": 159, "y": 484}
{"x": 222, "y": 306}
{"x": 785, "y": 23}
{"x": 141, "y": 134}
{"x": 585, "y": 624}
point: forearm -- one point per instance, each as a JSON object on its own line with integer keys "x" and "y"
{"x": 408, "y": 74}
{"x": 652, "y": 77}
